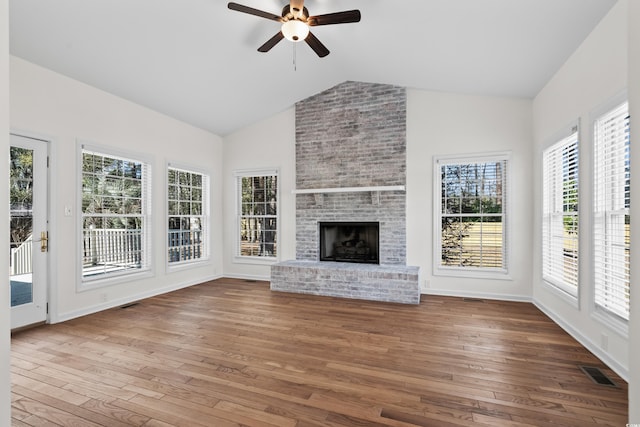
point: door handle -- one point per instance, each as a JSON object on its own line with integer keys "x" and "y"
{"x": 44, "y": 241}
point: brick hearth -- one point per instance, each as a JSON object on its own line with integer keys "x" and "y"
{"x": 391, "y": 283}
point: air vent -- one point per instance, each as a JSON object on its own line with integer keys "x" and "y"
{"x": 472, "y": 300}
{"x": 597, "y": 376}
{"x": 250, "y": 281}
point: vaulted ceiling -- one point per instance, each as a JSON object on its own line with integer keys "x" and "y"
{"x": 196, "y": 60}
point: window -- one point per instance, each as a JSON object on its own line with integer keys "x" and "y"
{"x": 611, "y": 181}
{"x": 257, "y": 214}
{"x": 188, "y": 216}
{"x": 470, "y": 215}
{"x": 560, "y": 214}
{"x": 115, "y": 215}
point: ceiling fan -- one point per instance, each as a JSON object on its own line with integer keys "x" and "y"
{"x": 296, "y": 21}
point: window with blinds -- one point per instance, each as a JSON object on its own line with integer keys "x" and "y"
{"x": 257, "y": 194}
{"x": 611, "y": 200}
{"x": 471, "y": 214}
{"x": 116, "y": 212}
{"x": 560, "y": 214}
{"x": 188, "y": 216}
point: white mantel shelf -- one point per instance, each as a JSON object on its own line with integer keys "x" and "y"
{"x": 349, "y": 189}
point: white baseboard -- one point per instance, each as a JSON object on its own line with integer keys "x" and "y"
{"x": 63, "y": 317}
{"x": 463, "y": 294}
{"x": 586, "y": 342}
{"x": 249, "y": 277}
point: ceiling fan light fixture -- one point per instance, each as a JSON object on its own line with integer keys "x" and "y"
{"x": 295, "y": 30}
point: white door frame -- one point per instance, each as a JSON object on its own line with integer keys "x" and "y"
{"x": 36, "y": 312}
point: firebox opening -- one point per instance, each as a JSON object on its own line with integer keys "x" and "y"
{"x": 349, "y": 242}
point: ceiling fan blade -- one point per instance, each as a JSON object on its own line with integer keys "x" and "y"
{"x": 335, "y": 18}
{"x": 316, "y": 45}
{"x": 251, "y": 11}
{"x": 271, "y": 42}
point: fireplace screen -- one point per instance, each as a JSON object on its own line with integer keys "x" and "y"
{"x": 349, "y": 242}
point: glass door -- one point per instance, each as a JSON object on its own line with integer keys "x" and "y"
{"x": 29, "y": 240}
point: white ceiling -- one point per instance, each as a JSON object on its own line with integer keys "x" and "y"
{"x": 196, "y": 60}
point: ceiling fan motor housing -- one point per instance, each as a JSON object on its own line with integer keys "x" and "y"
{"x": 289, "y": 13}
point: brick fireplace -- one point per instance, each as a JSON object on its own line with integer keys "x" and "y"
{"x": 351, "y": 167}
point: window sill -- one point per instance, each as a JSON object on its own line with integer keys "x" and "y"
{"x": 617, "y": 325}
{"x": 567, "y": 297}
{"x": 184, "y": 265}
{"x": 97, "y": 283}
{"x": 255, "y": 260}
{"x": 472, "y": 273}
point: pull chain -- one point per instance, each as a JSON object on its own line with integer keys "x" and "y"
{"x": 295, "y": 65}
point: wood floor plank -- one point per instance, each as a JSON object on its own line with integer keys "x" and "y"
{"x": 52, "y": 412}
{"x": 230, "y": 352}
{"x": 112, "y": 411}
{"x": 47, "y": 389}
{"x": 253, "y": 416}
{"x": 162, "y": 411}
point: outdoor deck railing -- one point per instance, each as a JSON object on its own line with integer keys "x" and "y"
{"x": 21, "y": 257}
{"x": 111, "y": 247}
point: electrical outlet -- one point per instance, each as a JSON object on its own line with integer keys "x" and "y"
{"x": 68, "y": 211}
{"x": 103, "y": 297}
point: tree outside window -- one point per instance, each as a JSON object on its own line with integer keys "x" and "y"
{"x": 258, "y": 215}
{"x": 21, "y": 195}
{"x": 188, "y": 209}
{"x": 471, "y": 214}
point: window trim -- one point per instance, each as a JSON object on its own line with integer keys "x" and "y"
{"x": 84, "y": 283}
{"x": 246, "y": 259}
{"x": 609, "y": 319}
{"x": 206, "y": 217}
{"x": 561, "y": 289}
{"x": 471, "y": 272}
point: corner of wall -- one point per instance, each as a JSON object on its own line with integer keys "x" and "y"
{"x": 5, "y": 320}
{"x": 592, "y": 76}
{"x": 634, "y": 106}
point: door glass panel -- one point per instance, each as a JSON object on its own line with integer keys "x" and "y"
{"x": 21, "y": 208}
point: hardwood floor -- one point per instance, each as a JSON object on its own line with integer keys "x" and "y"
{"x": 232, "y": 353}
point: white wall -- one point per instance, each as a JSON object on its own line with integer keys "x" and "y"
{"x": 5, "y": 300}
{"x": 634, "y": 105}
{"x": 443, "y": 124}
{"x": 63, "y": 110}
{"x": 592, "y": 76}
{"x": 490, "y": 123}
{"x": 267, "y": 144}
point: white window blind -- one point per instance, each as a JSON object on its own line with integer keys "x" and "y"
{"x": 611, "y": 211}
{"x": 471, "y": 215}
{"x": 560, "y": 214}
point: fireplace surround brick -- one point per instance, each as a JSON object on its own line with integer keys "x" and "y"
{"x": 352, "y": 135}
